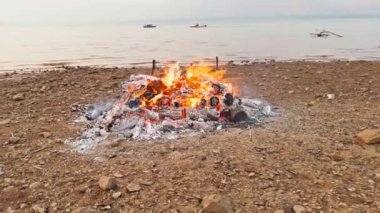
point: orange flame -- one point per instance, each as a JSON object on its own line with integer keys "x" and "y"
{"x": 188, "y": 87}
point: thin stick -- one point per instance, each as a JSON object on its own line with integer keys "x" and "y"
{"x": 217, "y": 62}
{"x": 250, "y": 132}
{"x": 153, "y": 66}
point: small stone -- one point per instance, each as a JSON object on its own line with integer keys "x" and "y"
{"x": 5, "y": 122}
{"x": 175, "y": 155}
{"x": 279, "y": 211}
{"x": 336, "y": 157}
{"x": 172, "y": 147}
{"x": 216, "y": 203}
{"x": 116, "y": 195}
{"x": 45, "y": 134}
{"x": 81, "y": 188}
{"x": 107, "y": 183}
{"x": 58, "y": 140}
{"x": 14, "y": 139}
{"x": 299, "y": 209}
{"x": 10, "y": 210}
{"x": 215, "y": 151}
{"x": 23, "y": 205}
{"x": 291, "y": 92}
{"x": 311, "y": 103}
{"x": 330, "y": 96}
{"x": 8, "y": 180}
{"x": 123, "y": 161}
{"x": 100, "y": 159}
{"x": 288, "y": 209}
{"x": 35, "y": 185}
{"x": 9, "y": 189}
{"x": 188, "y": 209}
{"x": 252, "y": 174}
{"x": 18, "y": 97}
{"x": 1, "y": 172}
{"x": 132, "y": 187}
{"x": 369, "y": 136}
{"x": 118, "y": 175}
{"x": 84, "y": 210}
{"x": 38, "y": 209}
{"x": 105, "y": 208}
{"x": 146, "y": 182}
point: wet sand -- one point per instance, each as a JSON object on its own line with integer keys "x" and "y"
{"x": 304, "y": 156}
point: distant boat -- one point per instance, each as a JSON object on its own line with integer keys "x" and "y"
{"x": 325, "y": 33}
{"x": 199, "y": 26}
{"x": 150, "y": 26}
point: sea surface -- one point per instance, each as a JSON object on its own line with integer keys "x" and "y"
{"x": 129, "y": 44}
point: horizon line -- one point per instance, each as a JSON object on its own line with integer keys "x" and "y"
{"x": 116, "y": 22}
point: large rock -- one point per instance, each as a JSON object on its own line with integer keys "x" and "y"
{"x": 368, "y": 136}
{"x": 216, "y": 204}
{"x": 18, "y": 97}
{"x": 107, "y": 183}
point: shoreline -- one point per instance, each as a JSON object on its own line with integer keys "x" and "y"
{"x": 146, "y": 65}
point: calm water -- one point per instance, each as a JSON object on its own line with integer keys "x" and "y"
{"x": 131, "y": 45}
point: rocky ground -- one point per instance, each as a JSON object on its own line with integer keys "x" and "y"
{"x": 306, "y": 159}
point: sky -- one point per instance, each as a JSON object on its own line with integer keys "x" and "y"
{"x": 111, "y": 11}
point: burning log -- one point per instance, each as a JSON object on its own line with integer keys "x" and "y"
{"x": 218, "y": 89}
{"x": 176, "y": 104}
{"x": 234, "y": 115}
{"x": 134, "y": 103}
{"x": 238, "y": 115}
{"x": 228, "y": 99}
{"x": 164, "y": 102}
{"x": 214, "y": 101}
{"x": 203, "y": 103}
{"x": 148, "y": 95}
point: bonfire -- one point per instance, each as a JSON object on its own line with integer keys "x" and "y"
{"x": 172, "y": 103}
